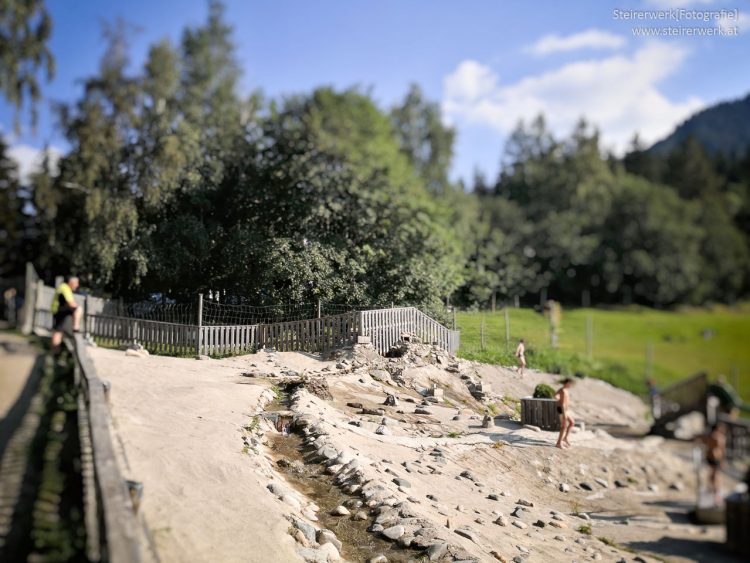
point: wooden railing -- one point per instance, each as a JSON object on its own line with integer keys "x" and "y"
{"x": 157, "y": 336}
{"x": 111, "y": 525}
{"x": 314, "y": 335}
{"x": 385, "y": 327}
{"x": 738, "y": 437}
{"x": 683, "y": 397}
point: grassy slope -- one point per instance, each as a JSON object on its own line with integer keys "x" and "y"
{"x": 619, "y": 343}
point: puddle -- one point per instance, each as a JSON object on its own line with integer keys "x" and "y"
{"x": 310, "y": 479}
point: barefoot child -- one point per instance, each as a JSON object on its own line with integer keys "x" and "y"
{"x": 520, "y": 354}
{"x": 563, "y": 411}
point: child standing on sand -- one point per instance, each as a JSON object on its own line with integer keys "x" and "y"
{"x": 563, "y": 411}
{"x": 520, "y": 355}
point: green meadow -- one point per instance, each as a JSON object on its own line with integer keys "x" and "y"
{"x": 682, "y": 343}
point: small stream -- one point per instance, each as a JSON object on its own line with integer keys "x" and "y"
{"x": 309, "y": 478}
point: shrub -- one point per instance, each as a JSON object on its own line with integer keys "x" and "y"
{"x": 543, "y": 391}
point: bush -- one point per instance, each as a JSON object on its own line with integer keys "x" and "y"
{"x": 543, "y": 391}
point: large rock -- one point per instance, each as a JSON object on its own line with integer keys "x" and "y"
{"x": 327, "y": 536}
{"x": 394, "y": 532}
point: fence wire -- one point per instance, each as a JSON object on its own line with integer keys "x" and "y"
{"x": 179, "y": 313}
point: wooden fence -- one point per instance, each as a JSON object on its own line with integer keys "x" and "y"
{"x": 738, "y": 437}
{"x": 541, "y": 413}
{"x": 385, "y": 327}
{"x": 314, "y": 335}
{"x": 111, "y": 526}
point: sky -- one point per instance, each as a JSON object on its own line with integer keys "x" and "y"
{"x": 488, "y": 63}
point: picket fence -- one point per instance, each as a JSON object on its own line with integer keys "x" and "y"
{"x": 384, "y": 327}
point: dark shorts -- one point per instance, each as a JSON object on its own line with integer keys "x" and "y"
{"x": 59, "y": 319}
{"x": 559, "y": 410}
{"x": 713, "y": 462}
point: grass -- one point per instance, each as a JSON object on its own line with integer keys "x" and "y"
{"x": 620, "y": 340}
{"x": 585, "y": 529}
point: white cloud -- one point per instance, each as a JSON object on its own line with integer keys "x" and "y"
{"x": 589, "y": 39}
{"x": 667, "y": 4}
{"x": 742, "y": 22}
{"x": 618, "y": 94}
{"x": 29, "y": 160}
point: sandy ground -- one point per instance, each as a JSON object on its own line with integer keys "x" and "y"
{"x": 17, "y": 359}
{"x": 180, "y": 424}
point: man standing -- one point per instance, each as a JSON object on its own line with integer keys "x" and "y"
{"x": 63, "y": 306}
{"x": 563, "y": 411}
{"x": 520, "y": 351}
{"x": 716, "y": 449}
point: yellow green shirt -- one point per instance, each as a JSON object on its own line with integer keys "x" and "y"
{"x": 63, "y": 295}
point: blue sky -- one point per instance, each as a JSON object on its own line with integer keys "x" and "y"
{"x": 488, "y": 63}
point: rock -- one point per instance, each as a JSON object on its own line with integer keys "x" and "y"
{"x": 493, "y": 497}
{"x": 532, "y": 427}
{"x": 564, "y": 487}
{"x": 341, "y": 511}
{"x": 373, "y": 412}
{"x": 433, "y": 498}
{"x": 276, "y": 489}
{"x": 499, "y": 557}
{"x": 327, "y": 536}
{"x": 519, "y": 524}
{"x": 620, "y": 484}
{"x": 653, "y": 488}
{"x": 136, "y": 353}
{"x": 468, "y": 533}
{"x": 539, "y": 524}
{"x": 602, "y": 482}
{"x": 378, "y": 559}
{"x": 468, "y": 475}
{"x": 585, "y": 486}
{"x": 523, "y": 502}
{"x": 402, "y": 483}
{"x": 677, "y": 486}
{"x": 357, "y": 423}
{"x": 394, "y": 532}
{"x": 501, "y": 521}
{"x": 383, "y": 430}
{"x": 307, "y": 529}
{"x": 391, "y": 401}
{"x": 556, "y": 524}
{"x": 361, "y": 515}
{"x": 560, "y": 538}
{"x": 436, "y": 551}
{"x": 331, "y": 551}
{"x": 420, "y": 410}
{"x": 518, "y": 512}
{"x": 300, "y": 537}
{"x": 292, "y": 501}
{"x": 354, "y": 405}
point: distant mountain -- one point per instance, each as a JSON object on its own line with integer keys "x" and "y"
{"x": 723, "y": 128}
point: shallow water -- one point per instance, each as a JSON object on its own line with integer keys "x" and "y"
{"x": 310, "y": 479}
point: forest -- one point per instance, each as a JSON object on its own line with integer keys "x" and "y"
{"x": 176, "y": 183}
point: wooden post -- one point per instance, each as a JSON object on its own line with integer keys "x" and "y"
{"x": 481, "y": 331}
{"x": 589, "y": 336}
{"x": 37, "y": 301}
{"x": 517, "y": 301}
{"x": 507, "y": 330}
{"x": 494, "y": 297}
{"x": 454, "y": 318}
{"x": 649, "y": 360}
{"x": 86, "y": 316}
{"x": 199, "y": 340}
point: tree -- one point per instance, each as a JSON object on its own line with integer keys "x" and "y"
{"x": 424, "y": 139}
{"x": 10, "y": 211}
{"x": 25, "y": 29}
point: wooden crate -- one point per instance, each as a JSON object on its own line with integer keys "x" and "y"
{"x": 541, "y": 413}
{"x": 738, "y": 524}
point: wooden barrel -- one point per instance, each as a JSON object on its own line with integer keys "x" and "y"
{"x": 541, "y": 413}
{"x": 738, "y": 523}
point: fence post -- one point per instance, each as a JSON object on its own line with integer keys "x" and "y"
{"x": 494, "y": 299}
{"x": 507, "y": 329}
{"x": 86, "y": 316}
{"x": 37, "y": 301}
{"x": 454, "y": 317}
{"x": 27, "y": 312}
{"x": 319, "y": 308}
{"x": 199, "y": 340}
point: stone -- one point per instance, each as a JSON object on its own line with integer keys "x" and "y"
{"x": 327, "y": 536}
{"x": 560, "y": 538}
{"x": 292, "y": 501}
{"x": 391, "y": 401}
{"x": 420, "y": 410}
{"x": 394, "y": 532}
{"x": 518, "y": 512}
{"x": 585, "y": 486}
{"x": 402, "y": 483}
{"x": 300, "y": 537}
{"x": 331, "y": 551}
{"x": 307, "y": 529}
{"x": 620, "y": 484}
{"x": 499, "y": 557}
{"x": 436, "y": 551}
{"x": 564, "y": 487}
{"x": 354, "y": 405}
{"x": 341, "y": 511}
{"x": 382, "y": 430}
{"x": 468, "y": 533}
{"x": 501, "y": 521}
{"x": 468, "y": 475}
{"x": 653, "y": 488}
{"x": 493, "y": 497}
{"x": 519, "y": 524}
{"x": 532, "y": 427}
{"x": 676, "y": 486}
{"x": 276, "y": 489}
{"x": 602, "y": 482}
{"x": 556, "y": 524}
{"x": 523, "y": 502}
{"x": 360, "y": 515}
{"x": 539, "y": 524}
{"x": 433, "y": 498}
